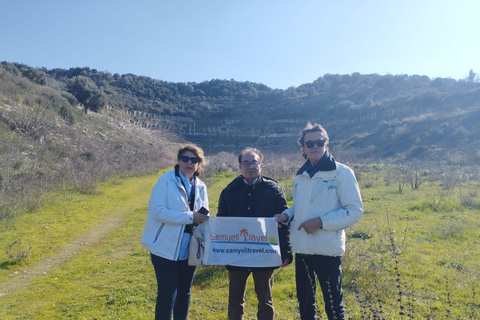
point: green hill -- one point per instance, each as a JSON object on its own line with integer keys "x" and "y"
{"x": 376, "y": 117}
{"x": 78, "y": 126}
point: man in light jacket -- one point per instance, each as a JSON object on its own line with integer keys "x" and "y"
{"x": 326, "y": 201}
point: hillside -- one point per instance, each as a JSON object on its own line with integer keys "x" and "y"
{"x": 74, "y": 127}
{"x": 391, "y": 117}
{"x": 47, "y": 142}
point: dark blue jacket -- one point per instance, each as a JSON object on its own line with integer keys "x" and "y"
{"x": 265, "y": 198}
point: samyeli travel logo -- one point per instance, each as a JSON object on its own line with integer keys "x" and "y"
{"x": 243, "y": 236}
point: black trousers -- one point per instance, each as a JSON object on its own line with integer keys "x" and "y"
{"x": 328, "y": 271}
{"x": 174, "y": 280}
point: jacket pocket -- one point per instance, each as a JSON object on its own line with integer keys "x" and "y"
{"x": 322, "y": 188}
{"x": 158, "y": 232}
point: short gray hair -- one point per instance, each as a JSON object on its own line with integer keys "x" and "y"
{"x": 312, "y": 128}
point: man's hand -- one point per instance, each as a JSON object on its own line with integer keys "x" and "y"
{"x": 311, "y": 225}
{"x": 281, "y": 217}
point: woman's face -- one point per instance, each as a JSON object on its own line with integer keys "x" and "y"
{"x": 315, "y": 153}
{"x": 188, "y": 168}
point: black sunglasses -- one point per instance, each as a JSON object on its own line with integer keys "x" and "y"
{"x": 311, "y": 143}
{"x": 192, "y": 159}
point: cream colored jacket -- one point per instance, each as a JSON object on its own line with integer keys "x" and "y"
{"x": 334, "y": 197}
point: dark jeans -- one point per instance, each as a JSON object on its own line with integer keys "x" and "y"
{"x": 263, "y": 281}
{"x": 328, "y": 271}
{"x": 174, "y": 279}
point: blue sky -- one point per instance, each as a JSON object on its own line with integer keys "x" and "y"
{"x": 274, "y": 42}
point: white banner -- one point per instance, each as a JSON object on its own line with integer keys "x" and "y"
{"x": 242, "y": 242}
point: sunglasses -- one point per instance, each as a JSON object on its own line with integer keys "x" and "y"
{"x": 192, "y": 159}
{"x": 311, "y": 143}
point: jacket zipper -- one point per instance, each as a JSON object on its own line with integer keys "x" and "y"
{"x": 177, "y": 249}
{"x": 182, "y": 189}
{"x": 158, "y": 232}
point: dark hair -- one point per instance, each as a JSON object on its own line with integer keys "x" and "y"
{"x": 197, "y": 151}
{"x": 250, "y": 150}
{"x": 312, "y": 128}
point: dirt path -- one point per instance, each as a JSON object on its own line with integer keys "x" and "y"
{"x": 21, "y": 279}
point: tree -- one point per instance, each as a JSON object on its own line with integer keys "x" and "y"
{"x": 471, "y": 76}
{"x": 87, "y": 93}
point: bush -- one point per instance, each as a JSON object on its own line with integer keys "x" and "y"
{"x": 17, "y": 252}
{"x": 68, "y": 114}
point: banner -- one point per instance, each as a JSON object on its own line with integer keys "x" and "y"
{"x": 242, "y": 242}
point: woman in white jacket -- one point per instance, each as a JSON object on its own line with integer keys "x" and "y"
{"x": 326, "y": 201}
{"x": 172, "y": 213}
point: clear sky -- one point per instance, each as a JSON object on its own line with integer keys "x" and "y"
{"x": 275, "y": 42}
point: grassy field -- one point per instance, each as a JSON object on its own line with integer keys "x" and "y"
{"x": 414, "y": 255}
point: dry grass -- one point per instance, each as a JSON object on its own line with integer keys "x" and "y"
{"x": 42, "y": 148}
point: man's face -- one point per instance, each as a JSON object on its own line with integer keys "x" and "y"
{"x": 315, "y": 152}
{"x": 250, "y": 167}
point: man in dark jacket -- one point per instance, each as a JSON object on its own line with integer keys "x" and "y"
{"x": 252, "y": 195}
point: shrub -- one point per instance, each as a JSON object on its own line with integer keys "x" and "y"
{"x": 17, "y": 252}
{"x": 68, "y": 114}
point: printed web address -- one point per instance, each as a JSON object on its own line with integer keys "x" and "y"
{"x": 244, "y": 250}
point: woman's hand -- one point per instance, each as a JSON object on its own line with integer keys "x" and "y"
{"x": 199, "y": 218}
{"x": 311, "y": 225}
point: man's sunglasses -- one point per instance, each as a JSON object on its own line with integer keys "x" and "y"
{"x": 311, "y": 143}
{"x": 192, "y": 159}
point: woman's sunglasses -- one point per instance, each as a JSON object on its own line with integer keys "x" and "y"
{"x": 192, "y": 159}
{"x": 311, "y": 143}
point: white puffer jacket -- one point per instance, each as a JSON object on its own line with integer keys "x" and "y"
{"x": 168, "y": 213}
{"x": 334, "y": 197}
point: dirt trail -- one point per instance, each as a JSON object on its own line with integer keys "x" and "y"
{"x": 43, "y": 267}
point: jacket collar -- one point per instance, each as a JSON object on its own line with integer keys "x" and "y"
{"x": 326, "y": 163}
{"x": 240, "y": 181}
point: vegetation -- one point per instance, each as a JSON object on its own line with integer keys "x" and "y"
{"x": 70, "y": 247}
{"x": 87, "y": 93}
{"x": 47, "y": 142}
{"x": 412, "y": 256}
{"x": 390, "y": 117}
